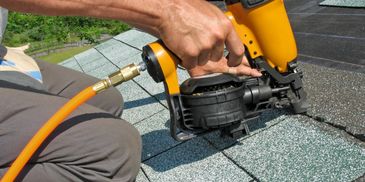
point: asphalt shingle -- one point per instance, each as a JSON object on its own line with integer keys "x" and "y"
{"x": 72, "y": 64}
{"x": 337, "y": 95}
{"x": 138, "y": 105}
{"x": 91, "y": 60}
{"x": 333, "y": 34}
{"x": 194, "y": 160}
{"x": 135, "y": 38}
{"x": 349, "y": 49}
{"x": 266, "y": 120}
{"x": 297, "y": 151}
{"x": 141, "y": 177}
{"x": 117, "y": 52}
{"x": 155, "y": 134}
{"x": 102, "y": 71}
{"x": 344, "y": 3}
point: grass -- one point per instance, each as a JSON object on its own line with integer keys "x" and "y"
{"x": 41, "y": 46}
{"x": 66, "y": 54}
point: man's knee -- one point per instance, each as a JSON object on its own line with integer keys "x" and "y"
{"x": 119, "y": 145}
{"x": 124, "y": 153}
{"x": 100, "y": 149}
{"x": 117, "y": 102}
{"x": 111, "y": 101}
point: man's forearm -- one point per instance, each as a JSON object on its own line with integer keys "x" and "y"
{"x": 194, "y": 30}
{"x": 145, "y": 14}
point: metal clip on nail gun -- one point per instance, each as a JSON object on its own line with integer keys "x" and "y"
{"x": 227, "y": 102}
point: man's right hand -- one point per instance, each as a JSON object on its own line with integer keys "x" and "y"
{"x": 196, "y": 31}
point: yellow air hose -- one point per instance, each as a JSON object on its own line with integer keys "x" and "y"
{"x": 114, "y": 79}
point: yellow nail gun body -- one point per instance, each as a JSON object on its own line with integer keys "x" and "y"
{"x": 227, "y": 102}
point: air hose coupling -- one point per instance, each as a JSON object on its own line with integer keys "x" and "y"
{"x": 118, "y": 77}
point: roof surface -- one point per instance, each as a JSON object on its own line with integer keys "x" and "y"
{"x": 344, "y": 3}
{"x": 282, "y": 147}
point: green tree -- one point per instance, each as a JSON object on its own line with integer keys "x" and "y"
{"x": 24, "y": 28}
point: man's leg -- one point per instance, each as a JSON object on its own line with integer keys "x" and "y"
{"x": 91, "y": 145}
{"x": 67, "y": 83}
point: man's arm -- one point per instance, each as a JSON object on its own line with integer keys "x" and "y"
{"x": 143, "y": 12}
{"x": 194, "y": 30}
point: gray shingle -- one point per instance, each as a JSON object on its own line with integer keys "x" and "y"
{"x": 91, "y": 60}
{"x": 141, "y": 177}
{"x": 72, "y": 64}
{"x": 68, "y": 61}
{"x": 194, "y": 160}
{"x": 344, "y": 3}
{"x": 334, "y": 47}
{"x": 102, "y": 71}
{"x": 138, "y": 105}
{"x": 337, "y": 95}
{"x": 295, "y": 150}
{"x": 135, "y": 38}
{"x": 266, "y": 120}
{"x": 155, "y": 134}
{"x": 156, "y": 89}
{"x": 117, "y": 52}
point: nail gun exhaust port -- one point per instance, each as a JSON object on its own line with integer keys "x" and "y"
{"x": 224, "y": 87}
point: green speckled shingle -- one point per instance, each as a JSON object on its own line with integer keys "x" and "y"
{"x": 138, "y": 105}
{"x": 72, "y": 64}
{"x": 155, "y": 134}
{"x": 196, "y": 161}
{"x": 117, "y": 52}
{"x": 91, "y": 60}
{"x": 141, "y": 177}
{"x": 295, "y": 150}
{"x": 344, "y": 3}
{"x": 135, "y": 38}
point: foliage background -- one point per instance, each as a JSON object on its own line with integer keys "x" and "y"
{"x": 26, "y": 28}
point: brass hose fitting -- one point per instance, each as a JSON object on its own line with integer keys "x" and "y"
{"x": 118, "y": 77}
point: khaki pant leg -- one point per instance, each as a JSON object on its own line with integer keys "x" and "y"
{"x": 67, "y": 83}
{"x": 91, "y": 145}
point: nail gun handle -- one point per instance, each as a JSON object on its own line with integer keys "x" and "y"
{"x": 264, "y": 30}
{"x": 161, "y": 65}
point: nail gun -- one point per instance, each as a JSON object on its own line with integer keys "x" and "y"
{"x": 226, "y": 102}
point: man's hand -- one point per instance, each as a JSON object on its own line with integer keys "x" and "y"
{"x": 196, "y": 31}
